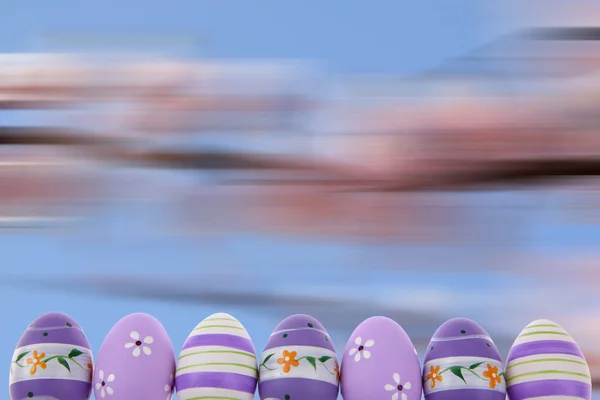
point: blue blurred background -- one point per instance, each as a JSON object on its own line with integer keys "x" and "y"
{"x": 420, "y": 175}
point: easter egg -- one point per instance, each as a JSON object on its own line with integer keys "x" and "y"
{"x": 299, "y": 362}
{"x": 380, "y": 362}
{"x": 218, "y": 361}
{"x": 136, "y": 361}
{"x": 462, "y": 362}
{"x": 52, "y": 361}
{"x": 545, "y": 362}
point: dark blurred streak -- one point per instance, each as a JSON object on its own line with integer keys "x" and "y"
{"x": 577, "y": 33}
{"x": 209, "y": 160}
{"x": 23, "y": 135}
{"x": 340, "y": 314}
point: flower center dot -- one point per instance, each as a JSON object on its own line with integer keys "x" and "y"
{"x": 434, "y": 376}
{"x": 361, "y": 348}
{"x": 103, "y": 383}
{"x": 400, "y": 387}
{"x": 138, "y": 343}
{"x": 493, "y": 375}
{"x": 287, "y": 359}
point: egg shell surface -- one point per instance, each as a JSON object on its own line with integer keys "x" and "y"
{"x": 462, "y": 362}
{"x": 136, "y": 361}
{"x": 218, "y": 361}
{"x": 52, "y": 360}
{"x": 380, "y": 362}
{"x": 299, "y": 362}
{"x": 545, "y": 361}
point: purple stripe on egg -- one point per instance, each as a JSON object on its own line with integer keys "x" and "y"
{"x": 220, "y": 380}
{"x": 301, "y": 337}
{"x": 544, "y": 347}
{"x": 299, "y": 321}
{"x": 464, "y": 394}
{"x": 235, "y": 342}
{"x": 475, "y": 347}
{"x": 298, "y": 388}
{"x": 66, "y": 335}
{"x": 64, "y": 389}
{"x": 550, "y": 387}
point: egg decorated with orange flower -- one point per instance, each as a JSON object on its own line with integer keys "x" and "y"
{"x": 299, "y": 362}
{"x": 218, "y": 361}
{"x": 462, "y": 362}
{"x": 136, "y": 361}
{"x": 52, "y": 360}
{"x": 380, "y": 363}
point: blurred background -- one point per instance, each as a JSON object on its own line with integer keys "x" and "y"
{"x": 418, "y": 160}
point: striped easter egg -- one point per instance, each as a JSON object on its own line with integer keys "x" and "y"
{"x": 52, "y": 361}
{"x": 545, "y": 362}
{"x": 462, "y": 362}
{"x": 299, "y": 362}
{"x": 218, "y": 361}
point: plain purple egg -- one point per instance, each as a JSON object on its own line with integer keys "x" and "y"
{"x": 136, "y": 361}
{"x": 380, "y": 363}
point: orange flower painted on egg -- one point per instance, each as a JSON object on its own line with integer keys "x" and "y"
{"x": 492, "y": 375}
{"x": 36, "y": 361}
{"x": 288, "y": 360}
{"x": 434, "y": 375}
{"x": 337, "y": 371}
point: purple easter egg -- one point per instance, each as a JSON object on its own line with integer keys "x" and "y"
{"x": 463, "y": 362}
{"x": 218, "y": 361}
{"x": 380, "y": 362}
{"x": 546, "y": 362}
{"x": 52, "y": 361}
{"x": 299, "y": 362}
{"x": 136, "y": 361}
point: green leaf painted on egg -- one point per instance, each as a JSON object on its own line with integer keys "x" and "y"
{"x": 20, "y": 356}
{"x": 458, "y": 372}
{"x": 64, "y": 363}
{"x": 267, "y": 358}
{"x": 475, "y": 365}
{"x": 313, "y": 362}
{"x": 324, "y": 358}
{"x": 74, "y": 353}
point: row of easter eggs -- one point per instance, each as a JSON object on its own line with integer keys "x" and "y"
{"x": 53, "y": 361}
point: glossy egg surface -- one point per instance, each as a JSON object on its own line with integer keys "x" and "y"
{"x": 52, "y": 361}
{"x": 380, "y": 363}
{"x": 218, "y": 361}
{"x": 136, "y": 361}
{"x": 545, "y": 362}
{"x": 299, "y": 362}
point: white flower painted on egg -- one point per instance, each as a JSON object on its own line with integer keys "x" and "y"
{"x": 103, "y": 386}
{"x": 360, "y": 351}
{"x": 169, "y": 388}
{"x": 399, "y": 388}
{"x": 137, "y": 344}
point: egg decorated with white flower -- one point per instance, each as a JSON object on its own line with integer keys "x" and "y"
{"x": 52, "y": 361}
{"x": 463, "y": 362}
{"x": 218, "y": 361}
{"x": 380, "y": 363}
{"x": 299, "y": 362}
{"x": 136, "y": 361}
